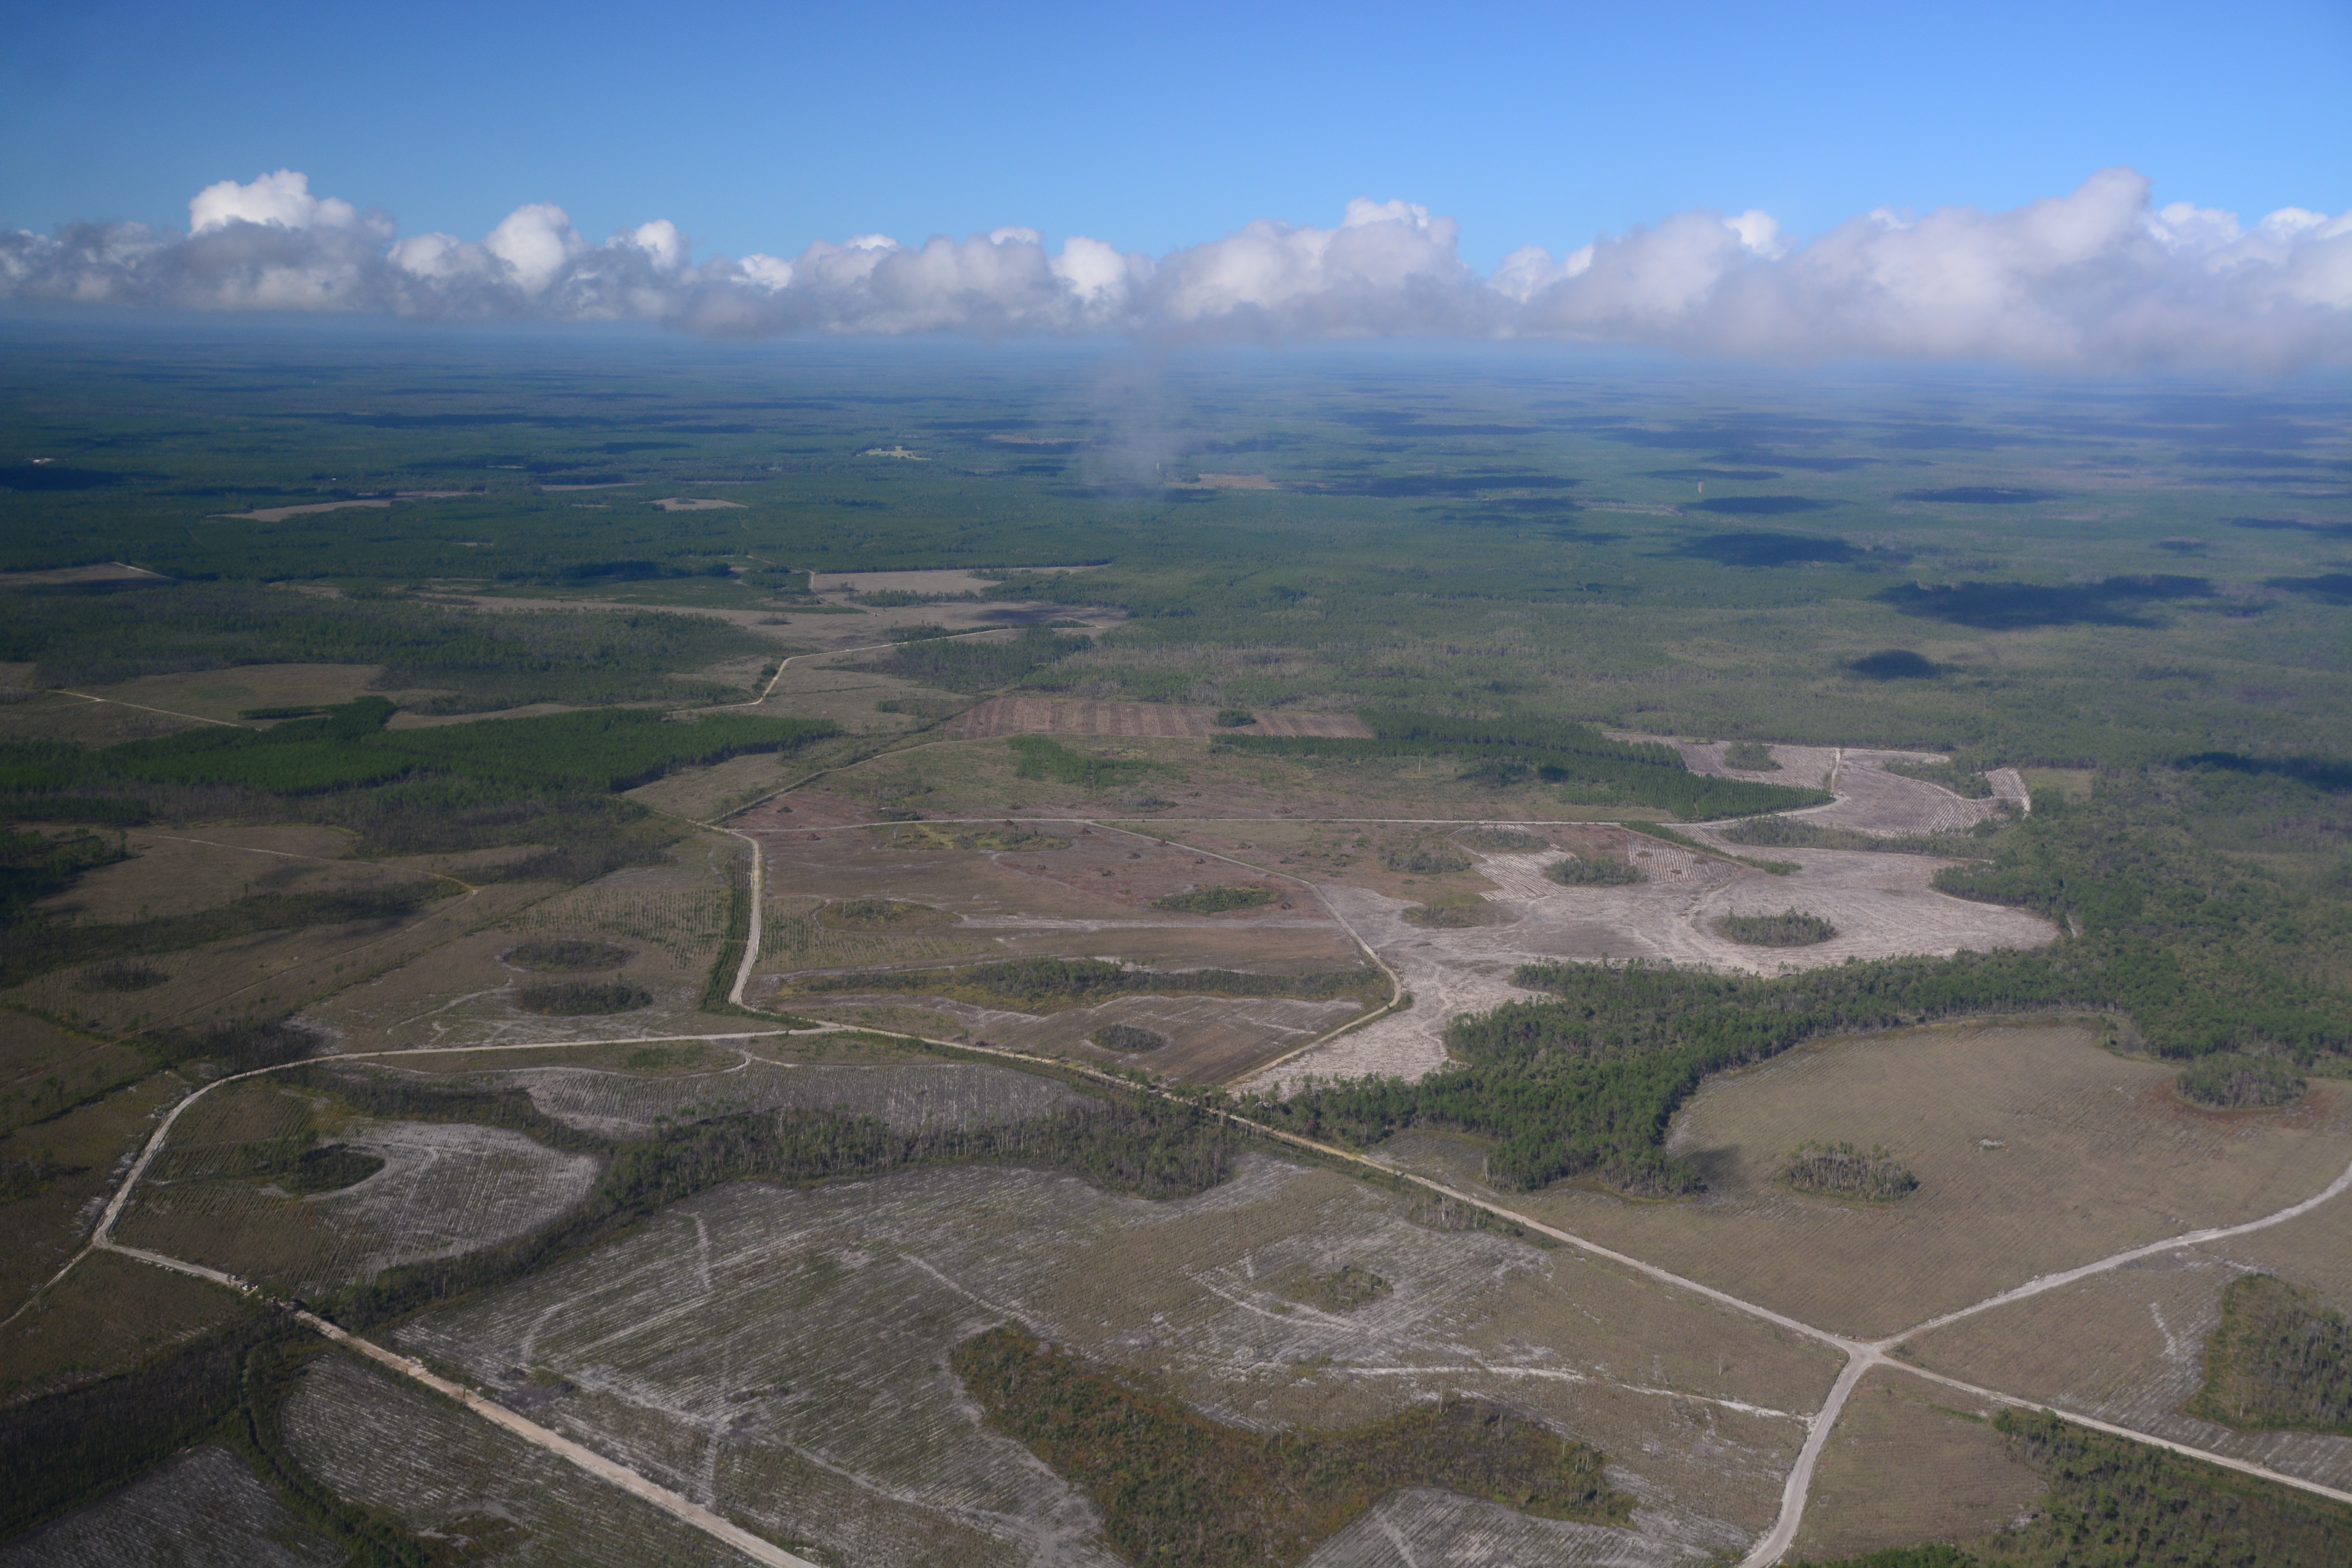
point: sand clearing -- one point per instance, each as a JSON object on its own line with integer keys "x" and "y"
{"x": 678, "y": 503}
{"x": 945, "y": 580}
{"x": 1235, "y": 482}
{"x": 280, "y": 513}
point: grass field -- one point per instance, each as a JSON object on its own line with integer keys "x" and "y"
{"x": 2090, "y": 1153}
{"x": 1911, "y": 1461}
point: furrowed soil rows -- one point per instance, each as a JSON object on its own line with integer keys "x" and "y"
{"x": 202, "y": 1508}
{"x": 2129, "y": 1346}
{"x": 445, "y": 1188}
{"x": 1902, "y": 1467}
{"x": 383, "y": 1443}
{"x": 761, "y": 1331}
{"x": 2090, "y": 1154}
{"x": 1002, "y": 716}
{"x": 1421, "y": 1527}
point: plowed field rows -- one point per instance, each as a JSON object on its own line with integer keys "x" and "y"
{"x": 201, "y": 1509}
{"x": 762, "y": 1332}
{"x": 904, "y": 1095}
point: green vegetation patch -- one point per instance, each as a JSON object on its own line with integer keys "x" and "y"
{"x": 567, "y": 955}
{"x": 2233, "y": 1080}
{"x": 1458, "y": 914}
{"x": 1049, "y": 984}
{"x": 1344, "y": 1288}
{"x": 36, "y": 947}
{"x": 122, "y": 975}
{"x": 2281, "y": 1359}
{"x": 1234, "y": 718}
{"x": 1796, "y": 832}
{"x": 1841, "y": 1171}
{"x": 1586, "y": 1085}
{"x": 2114, "y": 1503}
{"x": 1504, "y": 751}
{"x": 1789, "y": 928}
{"x": 1502, "y": 841}
{"x": 1583, "y": 871}
{"x": 1126, "y": 1037}
{"x": 1424, "y": 860}
{"x": 1176, "y": 1486}
{"x": 979, "y": 664}
{"x": 884, "y": 914}
{"x": 1042, "y": 758}
{"x": 580, "y": 999}
{"x": 1964, "y": 782}
{"x": 1133, "y": 1144}
{"x": 1215, "y": 901}
{"x": 484, "y": 660}
{"x": 1750, "y": 757}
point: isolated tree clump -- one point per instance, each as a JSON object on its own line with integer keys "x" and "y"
{"x": 1234, "y": 718}
{"x": 1425, "y": 859}
{"x": 581, "y": 998}
{"x": 1839, "y": 1169}
{"x": 1789, "y": 928}
{"x": 1576, "y": 871}
{"x": 1749, "y": 757}
{"x": 1126, "y": 1037}
{"x": 1503, "y": 840}
{"x": 2231, "y": 1080}
{"x": 1215, "y": 900}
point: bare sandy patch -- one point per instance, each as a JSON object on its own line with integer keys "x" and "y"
{"x": 1236, "y": 482}
{"x": 110, "y": 572}
{"x": 280, "y": 513}
{"x": 682, "y": 503}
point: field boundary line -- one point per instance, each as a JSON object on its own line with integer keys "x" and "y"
{"x": 582, "y": 1457}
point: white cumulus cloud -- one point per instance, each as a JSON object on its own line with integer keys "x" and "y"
{"x": 2096, "y": 279}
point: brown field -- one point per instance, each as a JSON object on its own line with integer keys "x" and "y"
{"x": 669, "y": 917}
{"x": 109, "y": 1315}
{"x": 178, "y": 871}
{"x": 270, "y": 974}
{"x": 127, "y": 711}
{"x": 2128, "y": 1346}
{"x": 822, "y": 1317}
{"x": 387, "y": 1444}
{"x": 202, "y": 1508}
{"x": 1002, "y": 716}
{"x": 445, "y": 1188}
{"x": 44, "y": 1068}
{"x": 92, "y": 1144}
{"x": 1911, "y": 1461}
{"x": 2096, "y": 1156}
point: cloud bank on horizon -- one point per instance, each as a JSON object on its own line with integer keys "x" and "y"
{"x": 2095, "y": 280}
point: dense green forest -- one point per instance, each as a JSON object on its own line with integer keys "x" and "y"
{"x": 1176, "y": 1486}
{"x": 2113, "y": 1503}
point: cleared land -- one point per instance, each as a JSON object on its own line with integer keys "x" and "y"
{"x": 2088, "y": 1154}
{"x": 2129, "y": 1346}
{"x": 202, "y": 1509}
{"x": 1909, "y": 1461}
{"x": 823, "y": 1320}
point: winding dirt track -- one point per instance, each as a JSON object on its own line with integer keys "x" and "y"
{"x": 1862, "y": 1356}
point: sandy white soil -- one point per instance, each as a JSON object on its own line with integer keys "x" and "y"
{"x": 1881, "y": 905}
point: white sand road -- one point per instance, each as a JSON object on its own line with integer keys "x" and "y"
{"x": 1449, "y": 970}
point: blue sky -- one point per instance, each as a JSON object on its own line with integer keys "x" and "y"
{"x": 764, "y": 126}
